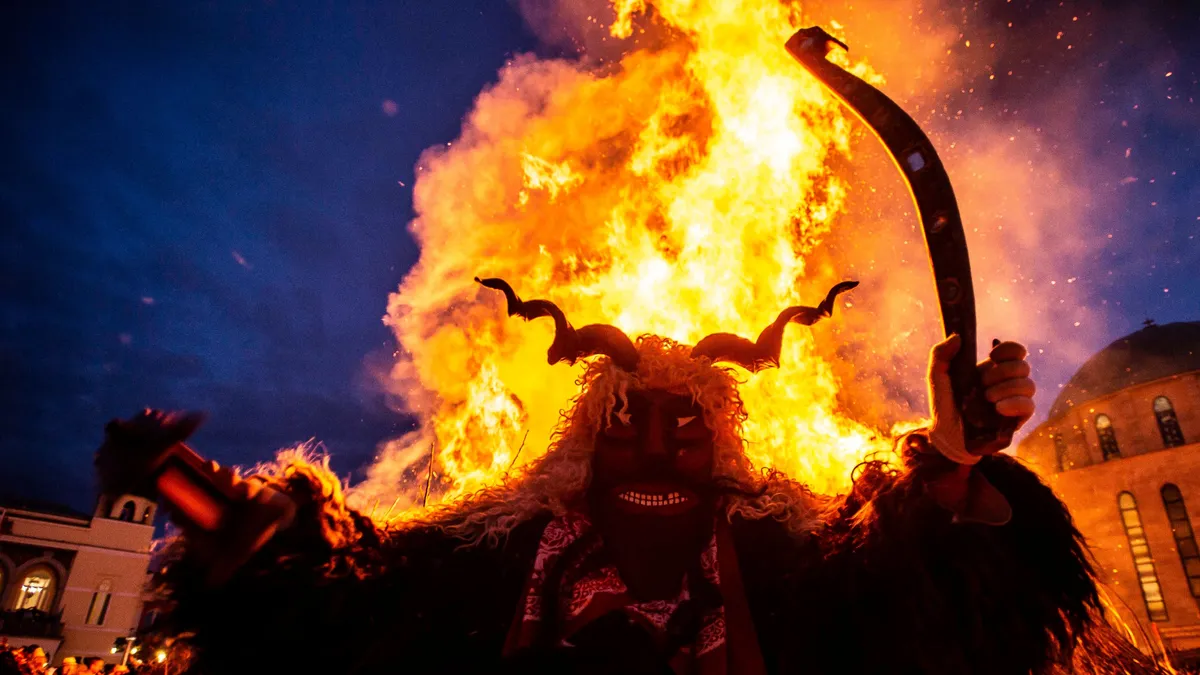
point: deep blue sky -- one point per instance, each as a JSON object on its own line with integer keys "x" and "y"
{"x": 201, "y": 204}
{"x": 201, "y": 208}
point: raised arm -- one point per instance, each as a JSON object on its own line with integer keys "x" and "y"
{"x": 954, "y": 562}
{"x": 326, "y": 589}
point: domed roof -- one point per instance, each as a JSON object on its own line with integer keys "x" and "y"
{"x": 1149, "y": 354}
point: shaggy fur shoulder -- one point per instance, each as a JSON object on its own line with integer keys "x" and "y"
{"x": 337, "y": 594}
{"x": 891, "y": 585}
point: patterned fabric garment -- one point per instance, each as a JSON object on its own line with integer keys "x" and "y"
{"x": 589, "y": 591}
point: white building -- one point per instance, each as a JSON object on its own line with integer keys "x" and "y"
{"x": 70, "y": 582}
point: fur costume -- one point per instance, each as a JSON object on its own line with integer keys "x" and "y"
{"x": 880, "y": 580}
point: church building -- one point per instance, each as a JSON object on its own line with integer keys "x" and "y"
{"x": 1121, "y": 447}
{"x": 73, "y": 583}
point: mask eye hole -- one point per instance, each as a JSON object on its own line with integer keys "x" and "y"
{"x": 620, "y": 427}
{"x": 684, "y": 421}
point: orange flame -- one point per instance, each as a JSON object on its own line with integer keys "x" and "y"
{"x": 680, "y": 192}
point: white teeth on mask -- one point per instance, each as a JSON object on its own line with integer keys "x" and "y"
{"x": 644, "y": 499}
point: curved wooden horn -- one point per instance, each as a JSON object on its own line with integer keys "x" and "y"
{"x": 570, "y": 344}
{"x": 764, "y": 353}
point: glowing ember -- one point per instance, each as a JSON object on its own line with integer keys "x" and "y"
{"x": 681, "y": 192}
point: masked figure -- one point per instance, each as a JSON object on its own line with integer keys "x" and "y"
{"x": 644, "y": 541}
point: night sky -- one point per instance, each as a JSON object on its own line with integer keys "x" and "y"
{"x": 204, "y": 204}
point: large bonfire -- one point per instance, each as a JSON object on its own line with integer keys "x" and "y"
{"x": 683, "y": 189}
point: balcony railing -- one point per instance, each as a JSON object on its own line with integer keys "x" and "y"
{"x": 31, "y": 623}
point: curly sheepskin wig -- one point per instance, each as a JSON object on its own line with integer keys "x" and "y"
{"x": 557, "y": 481}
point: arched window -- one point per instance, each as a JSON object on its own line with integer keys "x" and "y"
{"x": 1108, "y": 437}
{"x": 1185, "y": 538}
{"x": 1143, "y": 563}
{"x": 1168, "y": 424}
{"x": 1060, "y": 452}
{"x": 148, "y": 620}
{"x": 146, "y": 515}
{"x": 98, "y": 610}
{"x": 37, "y": 589}
{"x": 127, "y": 511}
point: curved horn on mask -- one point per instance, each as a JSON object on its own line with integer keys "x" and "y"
{"x": 570, "y": 343}
{"x": 764, "y": 353}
